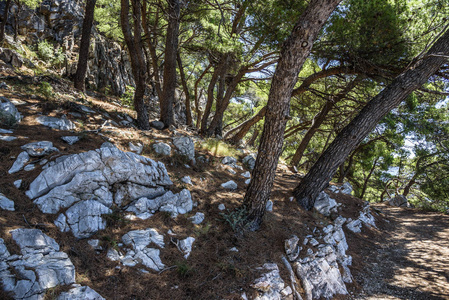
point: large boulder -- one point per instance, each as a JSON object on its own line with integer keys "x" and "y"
{"x": 250, "y": 161}
{"x": 137, "y": 249}
{"x": 11, "y": 57}
{"x": 185, "y": 146}
{"x": 9, "y": 115}
{"x": 325, "y": 204}
{"x": 87, "y": 185}
{"x": 40, "y": 267}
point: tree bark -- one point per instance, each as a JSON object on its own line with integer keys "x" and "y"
{"x": 80, "y": 75}
{"x": 348, "y": 139}
{"x": 219, "y": 70}
{"x": 4, "y": 20}
{"x": 294, "y": 52}
{"x": 186, "y": 91}
{"x": 214, "y": 126}
{"x": 171, "y": 49}
{"x": 365, "y": 183}
{"x": 253, "y": 138}
{"x": 136, "y": 54}
{"x": 318, "y": 120}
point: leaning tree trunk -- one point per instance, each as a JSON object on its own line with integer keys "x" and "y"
{"x": 171, "y": 49}
{"x": 294, "y": 52}
{"x": 245, "y": 127}
{"x": 79, "y": 80}
{"x": 318, "y": 120}
{"x": 5, "y": 19}
{"x": 136, "y": 54}
{"x": 348, "y": 139}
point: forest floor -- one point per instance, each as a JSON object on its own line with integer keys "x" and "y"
{"x": 406, "y": 257}
{"x": 410, "y": 260}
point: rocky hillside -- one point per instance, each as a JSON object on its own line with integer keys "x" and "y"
{"x": 93, "y": 208}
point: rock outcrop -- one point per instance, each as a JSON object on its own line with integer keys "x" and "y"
{"x": 88, "y": 185}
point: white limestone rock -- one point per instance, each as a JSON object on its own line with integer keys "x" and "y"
{"x": 83, "y": 218}
{"x": 6, "y": 203}
{"x": 269, "y": 206}
{"x": 21, "y": 160}
{"x": 185, "y": 246}
{"x": 139, "y": 252}
{"x": 56, "y": 123}
{"x": 247, "y": 174}
{"x": 292, "y": 248}
{"x": 354, "y": 225}
{"x": 6, "y": 131}
{"x": 40, "y": 267}
{"x": 221, "y": 206}
{"x": 229, "y": 185}
{"x": 320, "y": 276}
{"x": 175, "y": 204}
{"x": 18, "y": 183}
{"x": 228, "y": 160}
{"x": 250, "y": 161}
{"x": 38, "y": 149}
{"x": 270, "y": 284}
{"x": 185, "y": 146}
{"x": 6, "y": 138}
{"x": 162, "y": 148}
{"x": 29, "y": 167}
{"x": 9, "y": 111}
{"x": 325, "y": 204}
{"x": 70, "y": 139}
{"x": 136, "y": 148}
{"x": 400, "y": 201}
{"x": 187, "y": 180}
{"x": 198, "y": 218}
{"x": 80, "y": 293}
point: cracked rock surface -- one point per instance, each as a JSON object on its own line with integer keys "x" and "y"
{"x": 83, "y": 187}
{"x": 40, "y": 266}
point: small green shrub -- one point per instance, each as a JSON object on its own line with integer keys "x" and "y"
{"x": 218, "y": 148}
{"x": 7, "y": 120}
{"x": 46, "y": 90}
{"x": 235, "y": 218}
{"x": 47, "y": 53}
{"x": 128, "y": 97}
{"x": 184, "y": 270}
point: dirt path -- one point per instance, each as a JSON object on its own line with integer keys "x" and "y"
{"x": 412, "y": 262}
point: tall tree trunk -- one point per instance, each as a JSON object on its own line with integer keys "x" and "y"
{"x": 171, "y": 49}
{"x": 348, "y": 139}
{"x": 186, "y": 91}
{"x": 318, "y": 120}
{"x": 365, "y": 183}
{"x": 137, "y": 56}
{"x": 4, "y": 20}
{"x": 197, "y": 96}
{"x": 151, "y": 49}
{"x": 79, "y": 80}
{"x": 214, "y": 126}
{"x": 294, "y": 52}
{"x": 219, "y": 70}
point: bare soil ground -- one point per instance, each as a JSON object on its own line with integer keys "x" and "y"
{"x": 409, "y": 259}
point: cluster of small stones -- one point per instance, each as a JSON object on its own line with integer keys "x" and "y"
{"x": 317, "y": 260}
{"x": 39, "y": 267}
